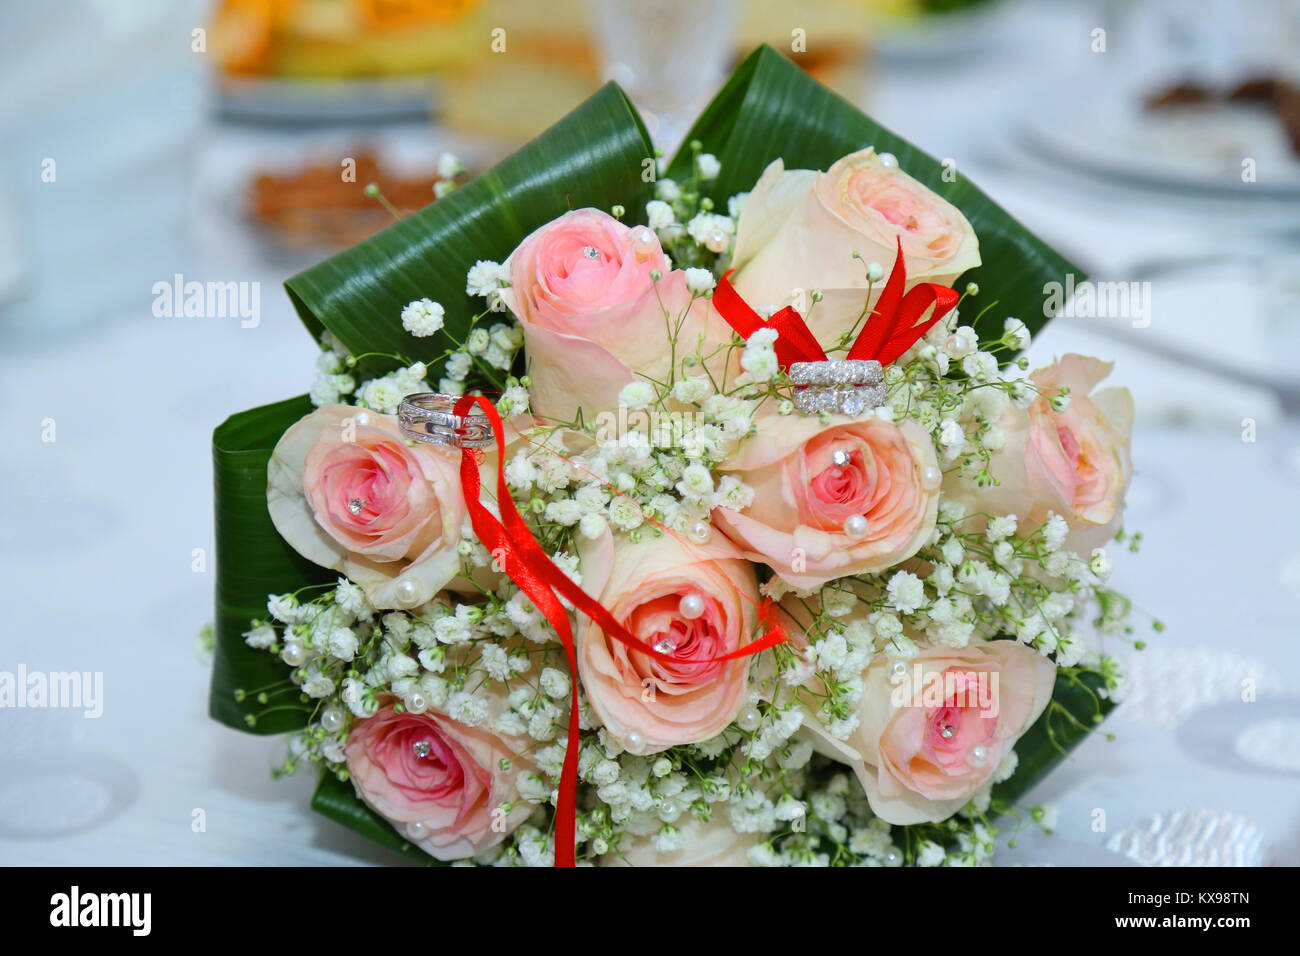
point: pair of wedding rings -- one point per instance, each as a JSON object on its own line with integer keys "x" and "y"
{"x": 848, "y": 386}
{"x": 430, "y": 418}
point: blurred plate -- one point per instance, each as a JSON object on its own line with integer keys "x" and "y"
{"x": 235, "y": 156}
{"x": 946, "y": 38}
{"x": 275, "y": 100}
{"x": 1196, "y": 150}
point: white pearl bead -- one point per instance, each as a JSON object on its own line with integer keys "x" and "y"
{"x": 979, "y": 755}
{"x": 363, "y": 419}
{"x": 669, "y": 811}
{"x": 691, "y": 606}
{"x": 417, "y": 830}
{"x": 293, "y": 654}
{"x": 931, "y": 477}
{"x": 634, "y": 743}
{"x": 416, "y": 703}
{"x": 701, "y": 531}
{"x": 888, "y": 160}
{"x": 332, "y": 720}
{"x": 749, "y": 718}
{"x": 855, "y": 527}
{"x": 893, "y": 858}
{"x": 406, "y": 592}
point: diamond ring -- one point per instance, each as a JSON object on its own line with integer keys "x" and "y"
{"x": 430, "y": 417}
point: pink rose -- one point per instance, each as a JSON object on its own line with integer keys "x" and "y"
{"x": 593, "y": 317}
{"x": 799, "y": 228}
{"x": 1074, "y": 463}
{"x": 439, "y": 782}
{"x": 927, "y": 742}
{"x": 832, "y": 500}
{"x": 647, "y": 704}
{"x": 345, "y": 491}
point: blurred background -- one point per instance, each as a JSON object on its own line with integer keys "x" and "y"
{"x": 1155, "y": 143}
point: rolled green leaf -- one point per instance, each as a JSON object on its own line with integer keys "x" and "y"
{"x": 252, "y": 561}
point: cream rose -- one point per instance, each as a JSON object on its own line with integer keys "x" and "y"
{"x": 850, "y": 497}
{"x": 1074, "y": 463}
{"x": 703, "y": 844}
{"x": 593, "y": 315}
{"x": 799, "y": 229}
{"x": 929, "y": 738}
{"x": 644, "y": 703}
{"x": 346, "y": 492}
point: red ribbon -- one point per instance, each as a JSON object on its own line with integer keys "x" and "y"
{"x": 527, "y": 564}
{"x": 890, "y": 330}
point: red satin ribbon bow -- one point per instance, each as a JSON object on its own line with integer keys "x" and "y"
{"x": 890, "y": 331}
{"x": 527, "y": 564}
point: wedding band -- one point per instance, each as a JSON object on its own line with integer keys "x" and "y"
{"x": 430, "y": 417}
{"x": 847, "y": 401}
{"x": 840, "y": 372}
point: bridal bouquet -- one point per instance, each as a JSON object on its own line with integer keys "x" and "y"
{"x": 692, "y": 513}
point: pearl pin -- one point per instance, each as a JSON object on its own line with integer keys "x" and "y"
{"x": 644, "y": 242}
{"x": 701, "y": 531}
{"x": 406, "y": 592}
{"x": 634, "y": 743}
{"x": 691, "y": 606}
{"x": 979, "y": 755}
{"x": 931, "y": 477}
{"x": 855, "y": 527}
{"x": 332, "y": 720}
{"x": 363, "y": 419}
{"x": 888, "y": 160}
{"x": 416, "y": 702}
{"x": 417, "y": 830}
{"x": 293, "y": 654}
{"x": 749, "y": 718}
